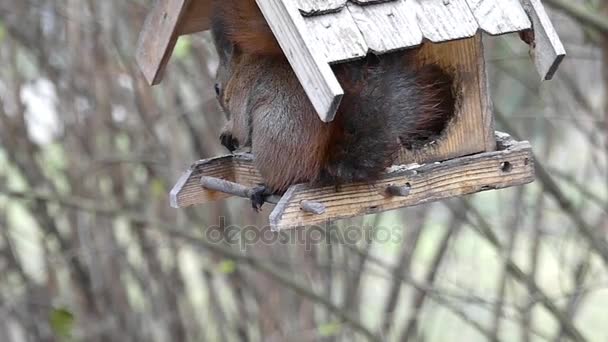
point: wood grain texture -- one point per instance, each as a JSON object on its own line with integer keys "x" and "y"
{"x": 369, "y": 2}
{"x": 387, "y": 26}
{"x": 316, "y": 7}
{"x": 236, "y": 168}
{"x": 336, "y": 37}
{"x": 158, "y": 37}
{"x": 197, "y": 17}
{"x": 471, "y": 130}
{"x": 511, "y": 166}
{"x": 485, "y": 98}
{"x": 311, "y": 68}
{"x": 500, "y": 16}
{"x": 547, "y": 49}
{"x": 443, "y": 20}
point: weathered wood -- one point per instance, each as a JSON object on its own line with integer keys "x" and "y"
{"x": 485, "y": 98}
{"x": 227, "y": 187}
{"x": 547, "y": 49}
{"x": 197, "y": 17}
{"x": 443, "y": 20}
{"x": 336, "y": 37}
{"x": 500, "y": 16}
{"x": 405, "y": 185}
{"x": 369, "y": 2}
{"x": 158, "y": 37}
{"x": 315, "y": 33}
{"x": 312, "y": 207}
{"x": 316, "y": 7}
{"x": 236, "y": 189}
{"x": 430, "y": 182}
{"x": 471, "y": 130}
{"x": 310, "y": 67}
{"x": 387, "y": 26}
{"x": 399, "y": 190}
{"x": 236, "y": 168}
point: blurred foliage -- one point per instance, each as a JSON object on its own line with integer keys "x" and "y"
{"x": 62, "y": 323}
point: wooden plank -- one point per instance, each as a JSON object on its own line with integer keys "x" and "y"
{"x": 470, "y": 131}
{"x": 485, "y": 98}
{"x": 369, "y": 2}
{"x": 197, "y": 17}
{"x": 312, "y": 70}
{"x": 316, "y": 7}
{"x": 158, "y": 37}
{"x": 511, "y": 166}
{"x": 336, "y": 37}
{"x": 547, "y": 48}
{"x": 443, "y": 20}
{"x": 500, "y": 16}
{"x": 235, "y": 168}
{"x": 387, "y": 26}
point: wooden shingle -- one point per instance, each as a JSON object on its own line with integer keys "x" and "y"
{"x": 500, "y": 16}
{"x": 387, "y": 26}
{"x": 443, "y": 20}
{"x": 392, "y": 25}
{"x": 336, "y": 36}
{"x": 315, "y": 7}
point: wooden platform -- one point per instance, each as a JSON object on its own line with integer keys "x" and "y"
{"x": 511, "y": 164}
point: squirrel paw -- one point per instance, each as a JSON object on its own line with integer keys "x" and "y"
{"x": 229, "y": 141}
{"x": 257, "y": 197}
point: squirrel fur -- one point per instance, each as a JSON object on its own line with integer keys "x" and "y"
{"x": 388, "y": 103}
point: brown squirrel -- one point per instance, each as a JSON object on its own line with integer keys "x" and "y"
{"x": 388, "y": 103}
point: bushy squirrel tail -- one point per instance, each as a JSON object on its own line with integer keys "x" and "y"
{"x": 389, "y": 103}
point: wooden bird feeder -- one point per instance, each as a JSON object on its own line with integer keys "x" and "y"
{"x": 467, "y": 158}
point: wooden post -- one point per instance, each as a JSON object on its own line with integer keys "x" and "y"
{"x": 546, "y": 48}
{"x": 313, "y": 71}
{"x": 166, "y": 21}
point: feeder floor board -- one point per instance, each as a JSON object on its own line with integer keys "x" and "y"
{"x": 512, "y": 164}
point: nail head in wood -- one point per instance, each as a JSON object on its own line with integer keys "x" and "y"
{"x": 401, "y": 191}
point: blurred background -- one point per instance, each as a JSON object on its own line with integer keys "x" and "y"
{"x": 91, "y": 251}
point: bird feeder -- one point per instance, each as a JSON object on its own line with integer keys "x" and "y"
{"x": 467, "y": 158}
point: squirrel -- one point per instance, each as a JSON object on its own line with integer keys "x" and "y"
{"x": 388, "y": 103}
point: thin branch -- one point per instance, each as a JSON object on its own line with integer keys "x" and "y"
{"x": 513, "y": 228}
{"x": 403, "y": 267}
{"x": 419, "y": 297}
{"x": 595, "y": 240}
{"x": 167, "y": 228}
{"x": 582, "y": 14}
{"x": 484, "y": 229}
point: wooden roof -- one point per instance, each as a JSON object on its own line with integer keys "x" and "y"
{"x": 344, "y": 30}
{"x": 317, "y": 33}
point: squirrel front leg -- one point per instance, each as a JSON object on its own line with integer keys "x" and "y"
{"x": 226, "y": 138}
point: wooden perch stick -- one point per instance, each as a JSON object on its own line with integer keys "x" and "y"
{"x": 235, "y": 189}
